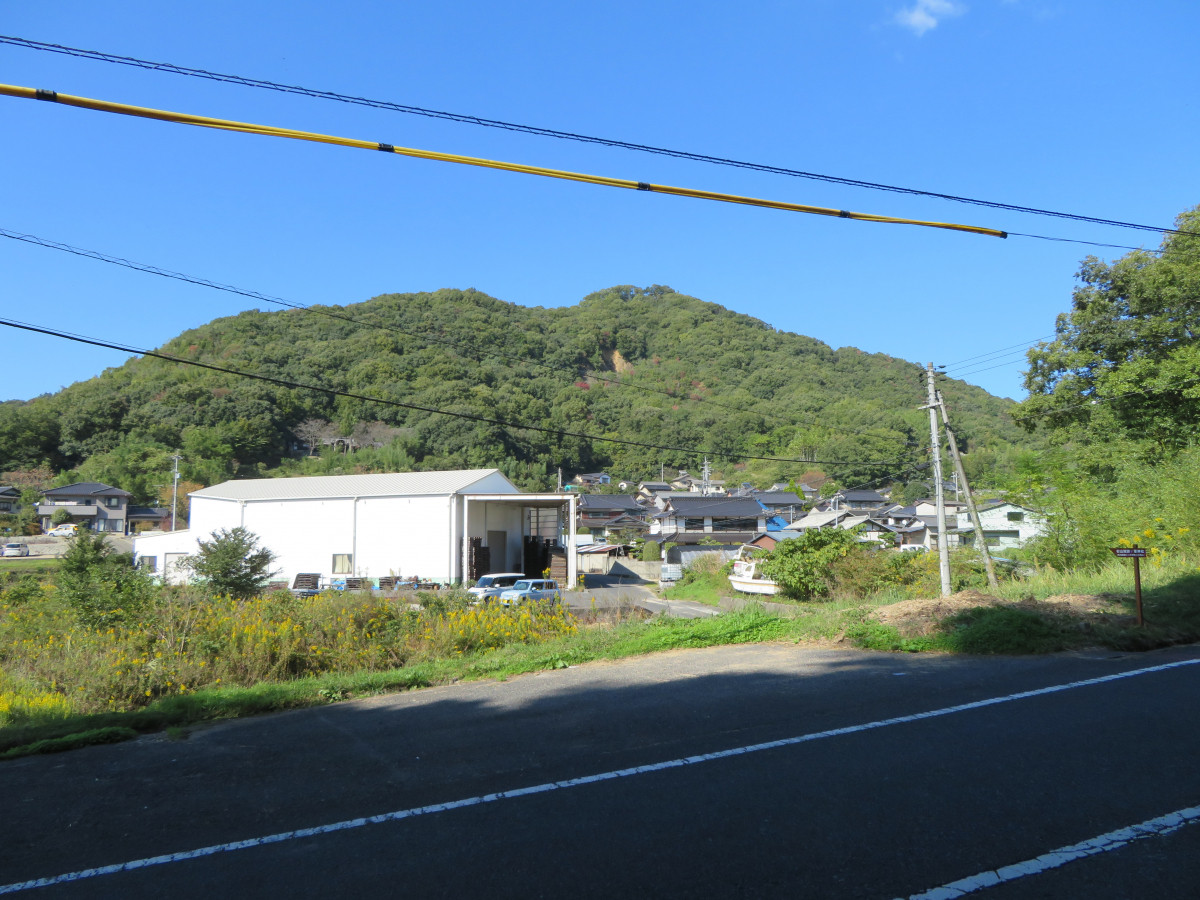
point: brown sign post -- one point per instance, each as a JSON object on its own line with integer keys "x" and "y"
{"x": 1137, "y": 554}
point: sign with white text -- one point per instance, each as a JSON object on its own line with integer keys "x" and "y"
{"x": 1137, "y": 554}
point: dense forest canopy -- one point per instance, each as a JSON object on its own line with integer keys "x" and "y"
{"x": 644, "y": 365}
{"x": 1125, "y": 359}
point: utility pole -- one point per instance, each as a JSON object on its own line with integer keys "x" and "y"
{"x": 174, "y": 488}
{"x": 935, "y": 443}
{"x": 961, "y": 479}
{"x": 705, "y": 472}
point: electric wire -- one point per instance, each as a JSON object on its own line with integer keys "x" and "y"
{"x": 1013, "y": 357}
{"x": 488, "y": 420}
{"x": 171, "y": 68}
{"x": 1063, "y": 240}
{"x": 179, "y": 118}
{"x": 457, "y": 346}
{"x": 1011, "y": 362}
{"x": 476, "y": 352}
{"x": 891, "y": 476}
{"x": 1025, "y": 345}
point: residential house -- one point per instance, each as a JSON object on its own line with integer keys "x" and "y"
{"x": 591, "y": 479}
{"x": 954, "y": 509}
{"x": 685, "y": 482}
{"x": 693, "y": 485}
{"x": 691, "y": 519}
{"x": 823, "y": 518}
{"x": 436, "y": 526}
{"x": 895, "y": 528}
{"x": 782, "y": 503}
{"x": 10, "y": 499}
{"x": 1005, "y": 525}
{"x": 648, "y": 490}
{"x": 853, "y": 499}
{"x": 606, "y": 516}
{"x": 807, "y": 491}
{"x": 100, "y": 507}
{"x": 769, "y": 540}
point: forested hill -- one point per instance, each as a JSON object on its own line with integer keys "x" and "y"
{"x": 643, "y": 365}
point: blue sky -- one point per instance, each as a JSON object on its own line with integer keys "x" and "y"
{"x": 1080, "y": 107}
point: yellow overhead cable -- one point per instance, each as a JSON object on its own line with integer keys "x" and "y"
{"x": 272, "y": 131}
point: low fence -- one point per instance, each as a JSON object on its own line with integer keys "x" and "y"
{"x": 622, "y": 567}
{"x": 635, "y": 570}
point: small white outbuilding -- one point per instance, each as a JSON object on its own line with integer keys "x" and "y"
{"x": 405, "y": 524}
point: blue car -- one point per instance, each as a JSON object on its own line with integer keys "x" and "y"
{"x": 531, "y": 589}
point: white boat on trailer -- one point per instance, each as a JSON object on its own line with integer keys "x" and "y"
{"x": 745, "y": 576}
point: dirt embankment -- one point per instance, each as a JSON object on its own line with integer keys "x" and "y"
{"x": 914, "y": 618}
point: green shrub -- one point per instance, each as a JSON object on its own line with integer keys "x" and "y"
{"x": 232, "y": 563}
{"x": 1002, "y": 629}
{"x": 25, "y": 589}
{"x": 651, "y": 552}
{"x": 801, "y": 565}
{"x": 705, "y": 566}
{"x": 99, "y": 584}
{"x": 877, "y": 636}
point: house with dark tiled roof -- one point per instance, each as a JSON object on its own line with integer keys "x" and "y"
{"x": 100, "y": 507}
{"x": 607, "y": 515}
{"x": 10, "y": 499}
{"x": 692, "y": 519}
{"x": 782, "y": 503}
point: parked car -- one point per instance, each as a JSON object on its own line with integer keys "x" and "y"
{"x": 64, "y": 530}
{"x": 531, "y": 589}
{"x": 489, "y": 587}
{"x": 15, "y": 549}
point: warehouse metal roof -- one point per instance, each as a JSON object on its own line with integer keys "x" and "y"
{"x": 324, "y": 487}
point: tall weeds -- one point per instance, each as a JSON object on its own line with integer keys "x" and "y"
{"x": 188, "y": 641}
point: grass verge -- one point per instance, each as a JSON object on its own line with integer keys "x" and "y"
{"x": 22, "y": 565}
{"x": 218, "y": 703}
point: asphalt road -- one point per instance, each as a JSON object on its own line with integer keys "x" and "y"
{"x": 881, "y": 776}
{"x": 46, "y": 547}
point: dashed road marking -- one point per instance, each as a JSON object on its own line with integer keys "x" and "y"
{"x": 399, "y": 815}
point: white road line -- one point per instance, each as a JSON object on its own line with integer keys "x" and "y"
{"x": 396, "y": 816}
{"x": 1113, "y": 840}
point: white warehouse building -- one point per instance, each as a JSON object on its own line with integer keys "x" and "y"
{"x": 413, "y": 525}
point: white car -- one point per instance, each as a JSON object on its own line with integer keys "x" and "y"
{"x": 15, "y": 549}
{"x": 490, "y": 586}
{"x": 63, "y": 530}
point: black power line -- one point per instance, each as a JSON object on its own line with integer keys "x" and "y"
{"x": 1061, "y": 240}
{"x": 981, "y": 357}
{"x": 502, "y": 423}
{"x": 571, "y": 136}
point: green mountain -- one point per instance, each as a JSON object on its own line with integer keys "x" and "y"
{"x": 645, "y": 366}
